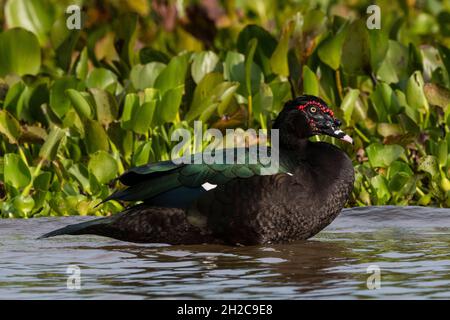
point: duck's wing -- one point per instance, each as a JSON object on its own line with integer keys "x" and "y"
{"x": 167, "y": 180}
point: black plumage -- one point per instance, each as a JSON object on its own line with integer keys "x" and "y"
{"x": 308, "y": 189}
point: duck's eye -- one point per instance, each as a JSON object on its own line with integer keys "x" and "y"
{"x": 313, "y": 109}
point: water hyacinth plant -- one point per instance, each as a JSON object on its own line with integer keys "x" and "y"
{"x": 78, "y": 107}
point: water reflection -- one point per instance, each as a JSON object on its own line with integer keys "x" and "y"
{"x": 409, "y": 245}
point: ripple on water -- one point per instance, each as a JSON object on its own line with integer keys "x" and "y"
{"x": 409, "y": 245}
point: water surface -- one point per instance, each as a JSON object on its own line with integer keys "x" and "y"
{"x": 409, "y": 245}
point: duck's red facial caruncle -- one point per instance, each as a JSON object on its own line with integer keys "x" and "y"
{"x": 321, "y": 120}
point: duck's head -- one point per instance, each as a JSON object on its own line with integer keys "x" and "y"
{"x": 307, "y": 116}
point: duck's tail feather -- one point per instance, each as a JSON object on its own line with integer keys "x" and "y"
{"x": 78, "y": 228}
{"x": 142, "y": 223}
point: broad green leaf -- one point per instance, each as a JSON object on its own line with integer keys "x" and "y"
{"x": 379, "y": 44}
{"x": 379, "y": 184}
{"x": 234, "y": 70}
{"x": 143, "y": 154}
{"x": 105, "y": 106}
{"x": 95, "y": 137}
{"x": 203, "y": 92}
{"x": 263, "y": 100}
{"x": 80, "y": 103}
{"x": 167, "y": 108}
{"x": 16, "y": 172}
{"x": 36, "y": 16}
{"x": 383, "y": 155}
{"x": 348, "y": 104}
{"x": 50, "y": 147}
{"x": 143, "y": 117}
{"x": 103, "y": 166}
{"x": 9, "y": 126}
{"x": 279, "y": 59}
{"x": 265, "y": 48}
{"x": 203, "y": 63}
{"x": 330, "y": 49}
{"x": 58, "y": 96}
{"x": 144, "y": 76}
{"x": 415, "y": 94}
{"x": 355, "y": 50}
{"x": 130, "y": 106}
{"x": 81, "y": 68}
{"x": 173, "y": 75}
{"x": 102, "y": 79}
{"x": 64, "y": 41}
{"x": 429, "y": 164}
{"x": 310, "y": 82}
{"x": 394, "y": 66}
{"x": 20, "y": 52}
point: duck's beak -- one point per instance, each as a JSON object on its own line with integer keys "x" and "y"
{"x": 341, "y": 135}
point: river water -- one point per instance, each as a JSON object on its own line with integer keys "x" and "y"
{"x": 405, "y": 248}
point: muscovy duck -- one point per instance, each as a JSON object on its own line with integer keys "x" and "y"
{"x": 301, "y": 197}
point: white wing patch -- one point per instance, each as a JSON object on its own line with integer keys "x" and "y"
{"x": 208, "y": 186}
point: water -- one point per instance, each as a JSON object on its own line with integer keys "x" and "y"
{"x": 409, "y": 245}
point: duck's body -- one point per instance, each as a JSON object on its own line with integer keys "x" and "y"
{"x": 297, "y": 200}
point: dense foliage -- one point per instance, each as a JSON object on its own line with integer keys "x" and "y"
{"x": 78, "y": 107}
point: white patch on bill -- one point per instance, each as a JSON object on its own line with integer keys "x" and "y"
{"x": 289, "y": 174}
{"x": 208, "y": 186}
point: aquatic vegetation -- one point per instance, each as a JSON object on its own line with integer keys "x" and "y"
{"x": 79, "y": 107}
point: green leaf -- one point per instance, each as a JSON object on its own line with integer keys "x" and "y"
{"x": 9, "y": 126}
{"x": 383, "y": 155}
{"x": 279, "y": 59}
{"x": 265, "y": 47}
{"x": 81, "y": 68}
{"x": 95, "y": 137}
{"x": 394, "y": 66}
{"x": 105, "y": 106}
{"x": 16, "y": 172}
{"x": 20, "y": 52}
{"x": 348, "y": 104}
{"x": 330, "y": 49}
{"x": 143, "y": 117}
{"x": 310, "y": 82}
{"x": 144, "y": 76}
{"x": 234, "y": 70}
{"x": 51, "y": 145}
{"x": 173, "y": 75}
{"x": 143, "y": 154}
{"x": 58, "y": 96}
{"x": 167, "y": 108}
{"x": 379, "y": 183}
{"x": 102, "y": 79}
{"x": 415, "y": 94}
{"x": 64, "y": 41}
{"x": 80, "y": 104}
{"x": 442, "y": 153}
{"x": 203, "y": 94}
{"x": 203, "y": 63}
{"x": 36, "y": 16}
{"x": 355, "y": 50}
{"x": 103, "y": 166}
{"x": 130, "y": 106}
{"x": 429, "y": 164}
